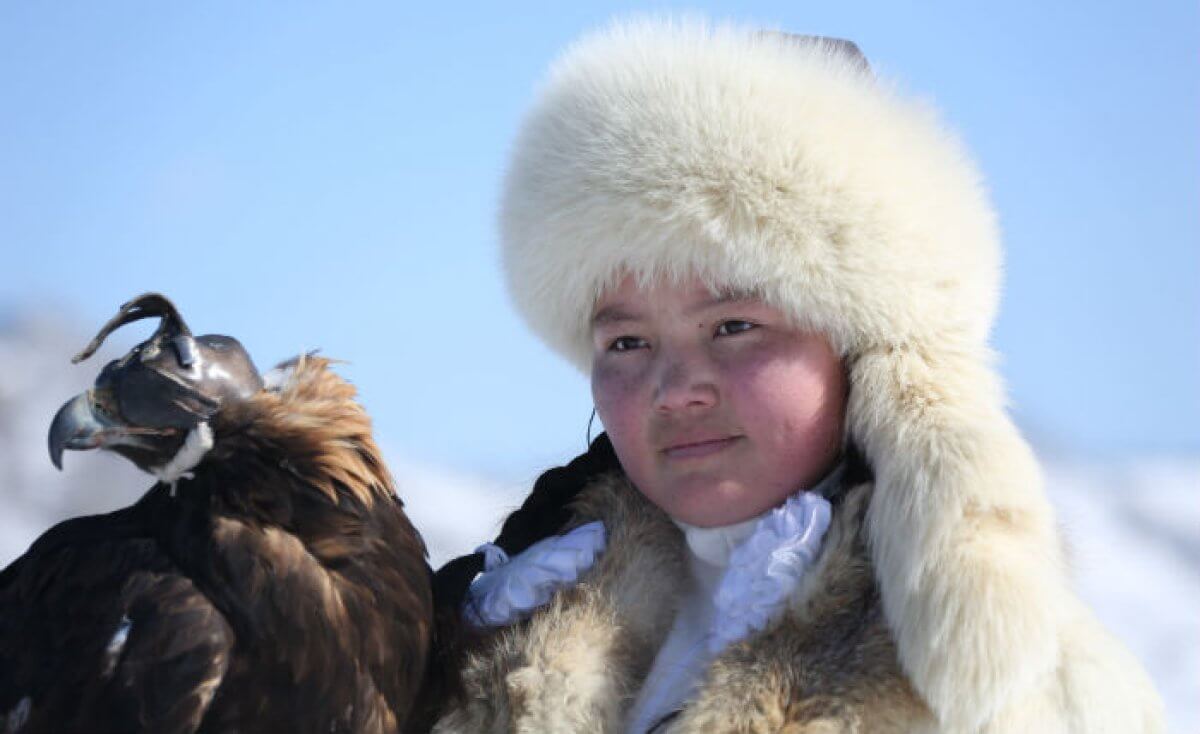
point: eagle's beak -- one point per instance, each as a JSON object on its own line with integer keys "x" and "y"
{"x": 77, "y": 426}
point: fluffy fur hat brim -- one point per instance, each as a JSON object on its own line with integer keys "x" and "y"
{"x": 786, "y": 169}
{"x": 757, "y": 161}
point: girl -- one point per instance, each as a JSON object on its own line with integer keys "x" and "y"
{"x": 810, "y": 512}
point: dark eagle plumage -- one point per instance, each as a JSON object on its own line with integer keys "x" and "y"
{"x": 277, "y": 586}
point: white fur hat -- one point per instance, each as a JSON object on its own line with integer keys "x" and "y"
{"x": 789, "y": 170}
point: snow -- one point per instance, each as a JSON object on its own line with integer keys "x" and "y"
{"x": 1133, "y": 533}
{"x": 454, "y": 511}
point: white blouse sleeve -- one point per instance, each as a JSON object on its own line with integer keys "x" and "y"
{"x": 512, "y": 588}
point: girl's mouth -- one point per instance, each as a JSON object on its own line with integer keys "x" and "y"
{"x": 699, "y": 449}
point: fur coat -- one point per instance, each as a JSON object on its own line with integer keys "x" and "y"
{"x": 781, "y": 166}
{"x": 829, "y": 665}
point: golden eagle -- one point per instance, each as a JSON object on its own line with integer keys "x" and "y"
{"x": 268, "y": 582}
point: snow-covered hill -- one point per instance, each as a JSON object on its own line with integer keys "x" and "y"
{"x": 1133, "y": 526}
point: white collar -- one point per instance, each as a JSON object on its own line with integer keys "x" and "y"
{"x": 713, "y": 546}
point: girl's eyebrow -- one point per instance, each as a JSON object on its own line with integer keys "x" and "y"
{"x": 616, "y": 313}
{"x": 725, "y": 297}
{"x": 611, "y": 315}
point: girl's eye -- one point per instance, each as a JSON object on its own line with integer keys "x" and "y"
{"x": 734, "y": 326}
{"x": 626, "y": 344}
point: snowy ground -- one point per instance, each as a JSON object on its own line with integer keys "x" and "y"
{"x": 1135, "y": 536}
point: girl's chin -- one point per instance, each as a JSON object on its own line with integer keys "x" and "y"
{"x": 714, "y": 507}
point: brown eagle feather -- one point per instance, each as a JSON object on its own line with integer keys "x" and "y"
{"x": 282, "y": 588}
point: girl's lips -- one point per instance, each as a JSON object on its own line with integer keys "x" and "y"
{"x": 699, "y": 449}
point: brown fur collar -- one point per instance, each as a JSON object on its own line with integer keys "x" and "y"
{"x": 577, "y": 665}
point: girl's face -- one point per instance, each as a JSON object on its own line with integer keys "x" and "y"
{"x": 718, "y": 408}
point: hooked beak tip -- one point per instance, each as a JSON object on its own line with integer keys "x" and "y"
{"x": 74, "y": 427}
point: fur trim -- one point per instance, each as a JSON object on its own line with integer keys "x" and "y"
{"x": 575, "y": 664}
{"x": 961, "y": 534}
{"x": 764, "y": 164}
{"x": 578, "y": 663}
{"x": 787, "y": 170}
{"x": 829, "y": 665}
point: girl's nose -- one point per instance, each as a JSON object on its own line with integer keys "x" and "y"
{"x": 684, "y": 383}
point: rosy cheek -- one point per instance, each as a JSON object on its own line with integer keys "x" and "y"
{"x": 771, "y": 385}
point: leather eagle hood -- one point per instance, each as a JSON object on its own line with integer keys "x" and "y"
{"x": 786, "y": 168}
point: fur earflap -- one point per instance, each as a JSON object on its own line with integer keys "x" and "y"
{"x": 788, "y": 170}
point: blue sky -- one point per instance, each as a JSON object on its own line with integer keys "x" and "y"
{"x": 325, "y": 175}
